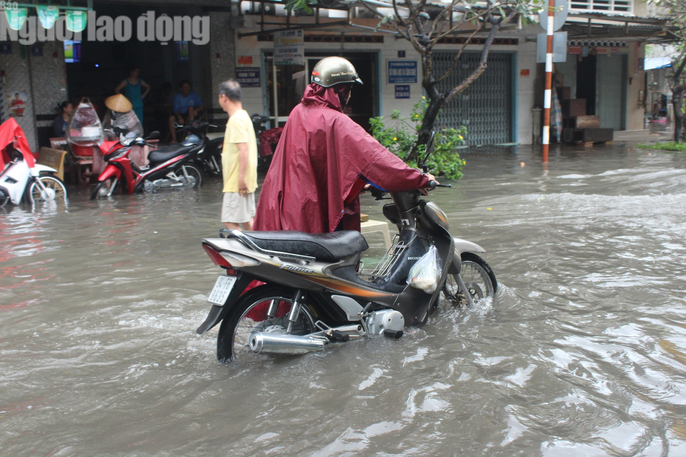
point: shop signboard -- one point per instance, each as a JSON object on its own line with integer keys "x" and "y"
{"x": 402, "y": 72}
{"x": 402, "y": 91}
{"x": 289, "y": 47}
{"x": 248, "y": 76}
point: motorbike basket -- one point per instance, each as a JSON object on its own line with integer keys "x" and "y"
{"x": 389, "y": 260}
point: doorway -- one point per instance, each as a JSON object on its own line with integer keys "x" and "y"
{"x": 586, "y": 82}
{"x": 102, "y": 65}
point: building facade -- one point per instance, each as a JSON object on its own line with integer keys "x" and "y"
{"x": 603, "y": 65}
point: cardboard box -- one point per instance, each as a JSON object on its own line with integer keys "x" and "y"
{"x": 582, "y": 122}
{"x": 574, "y": 107}
{"x": 594, "y": 135}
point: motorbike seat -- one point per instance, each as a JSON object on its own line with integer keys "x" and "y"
{"x": 327, "y": 247}
{"x": 164, "y": 153}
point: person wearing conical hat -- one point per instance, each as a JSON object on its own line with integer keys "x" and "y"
{"x": 121, "y": 118}
{"x": 119, "y": 104}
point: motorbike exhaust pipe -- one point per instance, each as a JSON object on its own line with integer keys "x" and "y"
{"x": 285, "y": 344}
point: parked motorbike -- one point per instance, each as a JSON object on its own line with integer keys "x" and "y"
{"x": 311, "y": 294}
{"x": 266, "y": 140}
{"x": 170, "y": 167}
{"x": 21, "y": 178}
{"x": 209, "y": 158}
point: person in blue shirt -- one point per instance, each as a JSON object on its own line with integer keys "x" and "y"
{"x": 187, "y": 106}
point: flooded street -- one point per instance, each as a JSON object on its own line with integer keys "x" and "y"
{"x": 583, "y": 352}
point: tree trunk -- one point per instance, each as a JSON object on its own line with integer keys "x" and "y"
{"x": 425, "y": 130}
{"x": 677, "y": 101}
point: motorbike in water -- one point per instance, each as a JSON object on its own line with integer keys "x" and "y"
{"x": 311, "y": 295}
{"x": 21, "y": 179}
{"x": 209, "y": 158}
{"x": 170, "y": 167}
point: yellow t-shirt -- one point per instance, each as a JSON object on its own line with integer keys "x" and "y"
{"x": 239, "y": 129}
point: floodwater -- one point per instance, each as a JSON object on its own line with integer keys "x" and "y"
{"x": 583, "y": 352}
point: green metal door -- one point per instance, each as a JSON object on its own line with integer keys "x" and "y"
{"x": 611, "y": 97}
{"x": 485, "y": 108}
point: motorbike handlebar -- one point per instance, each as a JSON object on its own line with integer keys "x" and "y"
{"x": 378, "y": 193}
{"x": 435, "y": 184}
{"x": 199, "y": 125}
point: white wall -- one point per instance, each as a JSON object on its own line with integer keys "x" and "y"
{"x": 526, "y": 59}
{"x": 525, "y": 72}
{"x": 43, "y": 78}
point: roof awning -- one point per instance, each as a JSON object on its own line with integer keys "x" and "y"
{"x": 618, "y": 26}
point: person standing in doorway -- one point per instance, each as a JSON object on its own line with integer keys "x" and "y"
{"x": 131, "y": 89}
{"x": 239, "y": 160}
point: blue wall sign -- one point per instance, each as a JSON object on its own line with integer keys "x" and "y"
{"x": 248, "y": 77}
{"x": 402, "y": 72}
{"x": 402, "y": 91}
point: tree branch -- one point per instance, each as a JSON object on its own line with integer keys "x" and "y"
{"x": 459, "y": 54}
{"x": 484, "y": 57}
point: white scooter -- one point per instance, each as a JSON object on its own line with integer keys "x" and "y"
{"x": 21, "y": 178}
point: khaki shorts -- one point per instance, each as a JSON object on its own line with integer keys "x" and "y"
{"x": 237, "y": 208}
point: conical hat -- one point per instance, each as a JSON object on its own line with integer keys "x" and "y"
{"x": 118, "y": 103}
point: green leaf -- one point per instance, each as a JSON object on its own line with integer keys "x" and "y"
{"x": 399, "y": 135}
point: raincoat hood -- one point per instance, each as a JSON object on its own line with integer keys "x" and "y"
{"x": 320, "y": 166}
{"x": 322, "y": 96}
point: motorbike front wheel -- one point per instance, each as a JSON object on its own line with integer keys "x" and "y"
{"x": 478, "y": 278}
{"x": 190, "y": 174}
{"x": 103, "y": 189}
{"x": 52, "y": 190}
{"x": 251, "y": 315}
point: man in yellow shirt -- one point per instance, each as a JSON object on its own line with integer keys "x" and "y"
{"x": 239, "y": 160}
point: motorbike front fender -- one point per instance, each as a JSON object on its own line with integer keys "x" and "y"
{"x": 217, "y": 313}
{"x": 110, "y": 172}
{"x": 44, "y": 169}
{"x": 467, "y": 246}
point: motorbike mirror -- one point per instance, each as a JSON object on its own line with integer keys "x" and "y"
{"x": 430, "y": 145}
{"x": 153, "y": 135}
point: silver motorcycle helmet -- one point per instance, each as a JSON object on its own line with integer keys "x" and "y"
{"x": 334, "y": 70}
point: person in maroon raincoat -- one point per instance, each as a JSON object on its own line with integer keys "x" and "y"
{"x": 324, "y": 159}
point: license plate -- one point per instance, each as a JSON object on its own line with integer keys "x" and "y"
{"x": 222, "y": 289}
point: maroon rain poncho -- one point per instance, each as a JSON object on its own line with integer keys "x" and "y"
{"x": 317, "y": 169}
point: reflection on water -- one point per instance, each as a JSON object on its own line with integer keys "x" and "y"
{"x": 583, "y": 352}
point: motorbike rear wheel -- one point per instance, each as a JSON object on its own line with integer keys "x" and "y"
{"x": 250, "y": 315}
{"x": 478, "y": 278}
{"x": 191, "y": 174}
{"x": 54, "y": 191}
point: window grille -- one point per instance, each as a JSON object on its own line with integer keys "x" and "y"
{"x": 602, "y": 6}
